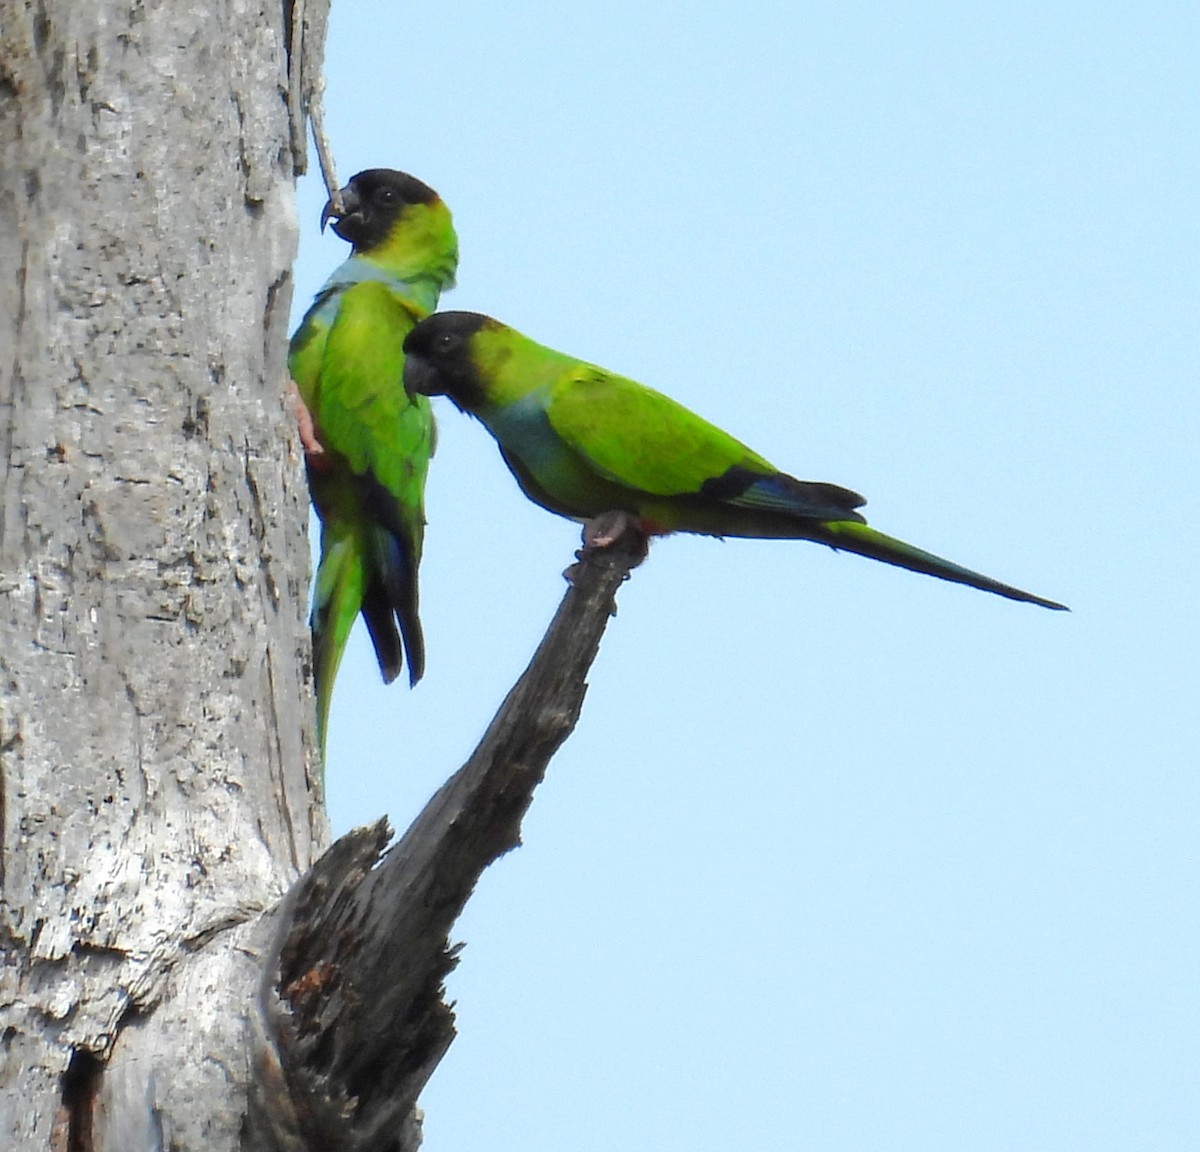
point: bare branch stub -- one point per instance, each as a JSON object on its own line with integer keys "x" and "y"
{"x": 304, "y": 23}
{"x": 352, "y": 1020}
{"x": 316, "y": 114}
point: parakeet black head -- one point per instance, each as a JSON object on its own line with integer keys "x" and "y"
{"x": 372, "y": 203}
{"x": 399, "y": 225}
{"x": 438, "y": 357}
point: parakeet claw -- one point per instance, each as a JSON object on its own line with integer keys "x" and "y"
{"x": 606, "y": 529}
{"x": 308, "y": 430}
{"x": 616, "y": 529}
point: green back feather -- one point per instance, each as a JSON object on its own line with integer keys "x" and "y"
{"x": 640, "y": 438}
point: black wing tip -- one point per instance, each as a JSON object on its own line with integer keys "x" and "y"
{"x": 392, "y": 652}
{"x": 804, "y": 499}
{"x": 381, "y": 627}
{"x": 390, "y": 671}
{"x": 414, "y": 640}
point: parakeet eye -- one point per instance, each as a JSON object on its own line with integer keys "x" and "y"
{"x": 447, "y": 341}
{"x": 386, "y": 195}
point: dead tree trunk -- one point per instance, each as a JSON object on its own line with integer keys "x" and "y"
{"x": 154, "y": 714}
{"x": 158, "y": 795}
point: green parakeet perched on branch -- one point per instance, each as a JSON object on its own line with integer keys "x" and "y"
{"x": 583, "y": 442}
{"x": 371, "y": 441}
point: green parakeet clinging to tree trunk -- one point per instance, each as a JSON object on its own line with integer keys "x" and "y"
{"x": 371, "y": 441}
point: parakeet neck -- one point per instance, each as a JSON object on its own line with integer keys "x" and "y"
{"x": 421, "y": 289}
{"x": 513, "y": 366}
{"x": 420, "y": 250}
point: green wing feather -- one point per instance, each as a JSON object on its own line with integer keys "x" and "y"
{"x": 637, "y": 437}
{"x": 362, "y": 409}
{"x": 688, "y": 473}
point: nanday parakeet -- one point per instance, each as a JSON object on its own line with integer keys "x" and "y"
{"x": 367, "y": 473}
{"x": 582, "y": 442}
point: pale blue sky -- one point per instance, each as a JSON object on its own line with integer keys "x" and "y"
{"x": 840, "y": 857}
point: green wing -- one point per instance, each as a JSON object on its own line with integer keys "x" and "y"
{"x": 641, "y": 439}
{"x": 361, "y": 408}
{"x": 368, "y": 486}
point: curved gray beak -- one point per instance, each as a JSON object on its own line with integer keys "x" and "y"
{"x": 420, "y": 377}
{"x": 350, "y": 205}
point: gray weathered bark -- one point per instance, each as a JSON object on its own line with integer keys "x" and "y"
{"x": 158, "y": 795}
{"x": 154, "y": 713}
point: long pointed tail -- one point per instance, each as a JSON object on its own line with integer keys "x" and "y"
{"x": 854, "y": 537}
{"x": 341, "y": 585}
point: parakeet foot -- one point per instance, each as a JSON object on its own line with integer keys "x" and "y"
{"x": 616, "y": 529}
{"x": 606, "y": 529}
{"x": 304, "y": 420}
